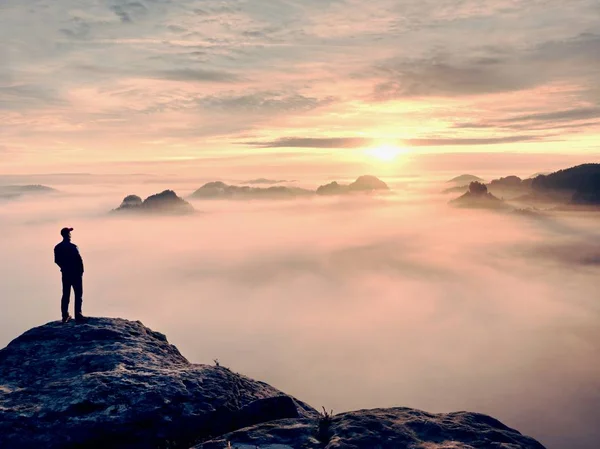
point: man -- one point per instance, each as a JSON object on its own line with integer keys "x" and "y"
{"x": 67, "y": 257}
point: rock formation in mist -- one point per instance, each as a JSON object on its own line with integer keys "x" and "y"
{"x": 13, "y": 192}
{"x": 580, "y": 183}
{"x": 333, "y": 188}
{"x": 461, "y": 183}
{"x": 131, "y": 202}
{"x": 166, "y": 202}
{"x": 478, "y": 197}
{"x": 464, "y": 180}
{"x": 220, "y": 190}
{"x": 112, "y": 383}
{"x": 366, "y": 183}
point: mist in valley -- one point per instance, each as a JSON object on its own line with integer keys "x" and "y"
{"x": 345, "y": 302}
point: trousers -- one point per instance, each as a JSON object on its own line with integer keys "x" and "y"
{"x": 76, "y": 282}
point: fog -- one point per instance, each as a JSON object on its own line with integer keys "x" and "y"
{"x": 345, "y": 302}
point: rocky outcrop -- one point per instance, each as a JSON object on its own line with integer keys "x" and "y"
{"x": 478, "y": 197}
{"x": 166, "y": 202}
{"x": 333, "y": 188}
{"x": 113, "y": 383}
{"x": 365, "y": 183}
{"x": 400, "y": 428}
{"x": 131, "y": 202}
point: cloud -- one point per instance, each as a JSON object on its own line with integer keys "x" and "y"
{"x": 417, "y": 78}
{"x": 313, "y": 142}
{"x": 496, "y": 70}
{"x": 561, "y": 119}
{"x": 556, "y": 116}
{"x": 470, "y": 141}
{"x": 194, "y": 75}
{"x": 128, "y": 10}
{"x": 261, "y": 102}
{"x": 360, "y": 142}
{"x": 17, "y": 96}
{"x": 318, "y": 67}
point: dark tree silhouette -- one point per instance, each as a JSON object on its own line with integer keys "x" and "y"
{"x": 477, "y": 188}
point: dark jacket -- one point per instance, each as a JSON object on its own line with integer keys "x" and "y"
{"x": 67, "y": 257}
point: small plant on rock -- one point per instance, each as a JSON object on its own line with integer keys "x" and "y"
{"x": 324, "y": 432}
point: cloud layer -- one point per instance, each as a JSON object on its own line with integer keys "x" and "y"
{"x": 346, "y": 303}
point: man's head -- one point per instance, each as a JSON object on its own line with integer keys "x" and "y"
{"x": 66, "y": 233}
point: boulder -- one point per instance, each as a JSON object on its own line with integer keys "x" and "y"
{"x": 112, "y": 383}
{"x": 399, "y": 428}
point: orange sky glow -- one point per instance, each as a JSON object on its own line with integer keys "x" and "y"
{"x": 131, "y": 82}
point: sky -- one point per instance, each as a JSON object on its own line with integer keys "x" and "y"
{"x": 93, "y": 84}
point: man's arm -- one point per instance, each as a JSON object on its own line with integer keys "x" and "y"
{"x": 58, "y": 257}
{"x": 80, "y": 259}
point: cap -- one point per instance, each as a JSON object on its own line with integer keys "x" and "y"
{"x": 65, "y": 231}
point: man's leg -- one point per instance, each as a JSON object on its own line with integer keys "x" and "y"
{"x": 78, "y": 290}
{"x": 66, "y": 293}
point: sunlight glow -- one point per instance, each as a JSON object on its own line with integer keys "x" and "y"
{"x": 385, "y": 152}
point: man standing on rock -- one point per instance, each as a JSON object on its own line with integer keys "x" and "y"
{"x": 67, "y": 257}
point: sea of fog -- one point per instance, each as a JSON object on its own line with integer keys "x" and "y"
{"x": 344, "y": 302}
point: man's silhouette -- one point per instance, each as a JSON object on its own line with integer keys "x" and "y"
{"x": 67, "y": 257}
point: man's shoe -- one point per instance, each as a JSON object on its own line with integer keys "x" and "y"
{"x": 66, "y": 319}
{"x": 79, "y": 319}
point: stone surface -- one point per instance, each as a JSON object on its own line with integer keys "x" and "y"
{"x": 395, "y": 428}
{"x": 113, "y": 383}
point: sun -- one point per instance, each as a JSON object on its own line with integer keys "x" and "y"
{"x": 385, "y": 153}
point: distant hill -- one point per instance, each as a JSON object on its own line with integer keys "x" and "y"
{"x": 510, "y": 186}
{"x": 582, "y": 178}
{"x": 365, "y": 183}
{"x": 266, "y": 181}
{"x": 166, "y": 202}
{"x": 220, "y": 190}
{"x": 581, "y": 182}
{"x": 464, "y": 180}
{"x": 573, "y": 188}
{"x": 478, "y": 197}
{"x": 12, "y": 192}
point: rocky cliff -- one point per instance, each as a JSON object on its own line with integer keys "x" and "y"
{"x": 112, "y": 383}
{"x": 164, "y": 203}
